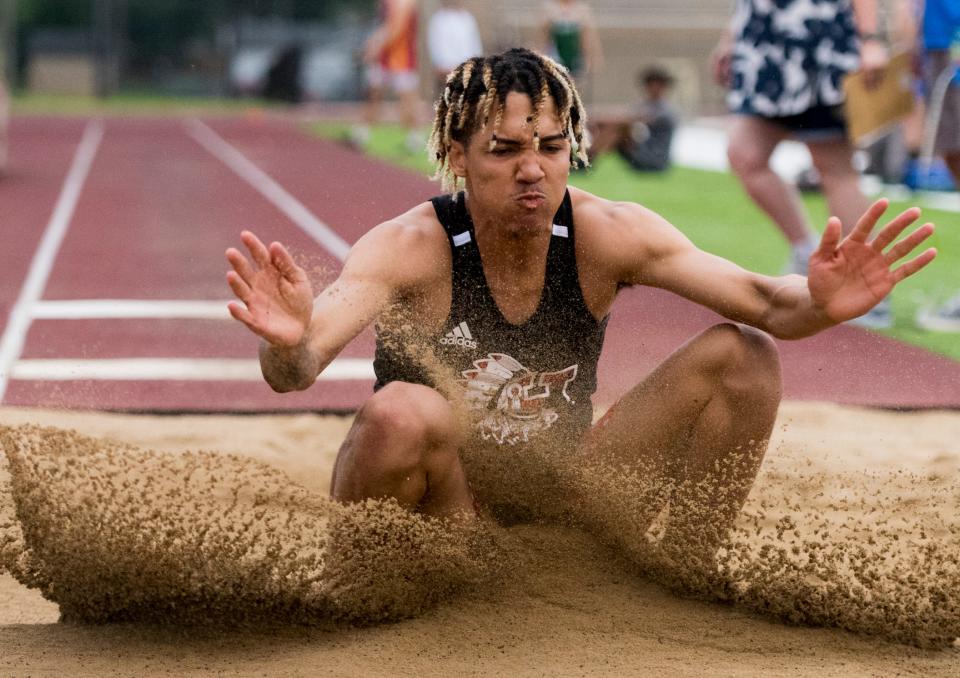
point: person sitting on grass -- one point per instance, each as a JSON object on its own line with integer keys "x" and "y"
{"x": 490, "y": 304}
{"x": 644, "y": 136}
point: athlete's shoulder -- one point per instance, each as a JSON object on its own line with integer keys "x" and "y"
{"x": 595, "y": 214}
{"x": 621, "y": 235}
{"x": 410, "y": 245}
{"x": 417, "y": 228}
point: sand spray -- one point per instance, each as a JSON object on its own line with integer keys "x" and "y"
{"x": 113, "y": 532}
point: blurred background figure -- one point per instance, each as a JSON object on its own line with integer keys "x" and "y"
{"x": 283, "y": 81}
{"x": 784, "y": 64}
{"x": 644, "y": 137}
{"x": 4, "y": 122}
{"x": 7, "y": 69}
{"x": 939, "y": 45}
{"x": 940, "y": 58}
{"x": 452, "y": 37}
{"x": 390, "y": 55}
{"x": 569, "y": 35}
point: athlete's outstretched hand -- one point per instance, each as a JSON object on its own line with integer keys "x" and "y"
{"x": 276, "y": 294}
{"x": 849, "y": 277}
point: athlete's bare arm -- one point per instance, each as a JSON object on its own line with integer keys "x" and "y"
{"x": 846, "y": 277}
{"x": 301, "y": 335}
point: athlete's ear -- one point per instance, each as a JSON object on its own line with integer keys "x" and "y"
{"x": 457, "y": 157}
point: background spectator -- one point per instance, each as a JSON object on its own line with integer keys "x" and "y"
{"x": 283, "y": 79}
{"x": 570, "y": 36}
{"x": 391, "y": 58}
{"x": 940, "y": 32}
{"x": 784, "y": 64}
{"x": 644, "y": 137}
{"x": 452, "y": 38}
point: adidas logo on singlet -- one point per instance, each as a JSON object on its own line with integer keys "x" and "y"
{"x": 459, "y": 336}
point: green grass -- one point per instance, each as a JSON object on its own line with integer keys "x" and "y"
{"x": 714, "y": 212}
{"x": 129, "y": 104}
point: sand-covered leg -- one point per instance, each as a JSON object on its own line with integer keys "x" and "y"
{"x": 404, "y": 445}
{"x": 692, "y": 435}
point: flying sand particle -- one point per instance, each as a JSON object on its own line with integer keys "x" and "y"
{"x": 112, "y": 532}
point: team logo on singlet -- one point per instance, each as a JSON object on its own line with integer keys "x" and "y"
{"x": 512, "y": 404}
{"x": 459, "y": 336}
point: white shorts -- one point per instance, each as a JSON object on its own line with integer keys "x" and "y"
{"x": 398, "y": 81}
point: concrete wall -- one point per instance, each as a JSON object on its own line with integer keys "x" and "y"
{"x": 67, "y": 74}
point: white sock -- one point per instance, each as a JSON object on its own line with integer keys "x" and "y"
{"x": 360, "y": 134}
{"x": 806, "y": 247}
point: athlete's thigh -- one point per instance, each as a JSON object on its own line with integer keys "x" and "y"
{"x": 656, "y": 416}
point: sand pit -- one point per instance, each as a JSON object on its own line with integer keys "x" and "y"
{"x": 854, "y": 523}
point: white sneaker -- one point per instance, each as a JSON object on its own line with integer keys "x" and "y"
{"x": 358, "y": 137}
{"x": 799, "y": 262}
{"x": 880, "y": 317}
{"x": 415, "y": 143}
{"x": 946, "y": 318}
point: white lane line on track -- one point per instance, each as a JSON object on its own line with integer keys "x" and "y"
{"x": 84, "y": 309}
{"x": 173, "y": 369}
{"x": 11, "y": 345}
{"x": 268, "y": 187}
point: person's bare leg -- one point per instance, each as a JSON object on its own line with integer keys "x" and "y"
{"x": 409, "y": 108}
{"x": 698, "y": 425}
{"x": 841, "y": 182}
{"x": 913, "y": 127}
{"x": 404, "y": 444}
{"x": 751, "y": 143}
{"x": 371, "y": 108}
{"x": 953, "y": 164}
{"x": 414, "y": 140}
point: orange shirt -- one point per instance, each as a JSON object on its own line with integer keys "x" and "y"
{"x": 399, "y": 54}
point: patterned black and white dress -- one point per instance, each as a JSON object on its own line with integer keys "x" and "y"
{"x": 790, "y": 56}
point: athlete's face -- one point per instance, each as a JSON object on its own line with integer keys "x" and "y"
{"x": 514, "y": 184}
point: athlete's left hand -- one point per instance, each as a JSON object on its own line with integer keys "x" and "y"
{"x": 849, "y": 277}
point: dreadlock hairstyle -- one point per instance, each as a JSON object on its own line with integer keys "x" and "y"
{"x": 475, "y": 94}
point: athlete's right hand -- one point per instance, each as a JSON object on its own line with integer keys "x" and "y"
{"x": 276, "y": 293}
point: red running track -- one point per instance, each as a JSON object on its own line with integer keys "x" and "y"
{"x": 150, "y": 224}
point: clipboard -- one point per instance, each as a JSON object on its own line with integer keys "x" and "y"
{"x": 871, "y": 112}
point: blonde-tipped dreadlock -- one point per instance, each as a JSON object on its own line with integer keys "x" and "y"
{"x": 478, "y": 88}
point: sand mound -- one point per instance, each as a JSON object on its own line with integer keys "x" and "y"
{"x": 110, "y": 531}
{"x": 869, "y": 552}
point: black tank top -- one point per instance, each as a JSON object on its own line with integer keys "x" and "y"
{"x": 522, "y": 382}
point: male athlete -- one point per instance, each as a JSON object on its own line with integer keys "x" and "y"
{"x": 493, "y": 302}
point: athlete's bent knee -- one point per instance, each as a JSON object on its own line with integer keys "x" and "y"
{"x": 745, "y": 358}
{"x": 414, "y": 416}
{"x": 409, "y": 410}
